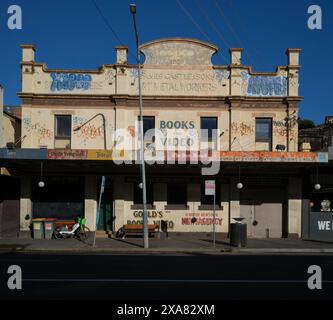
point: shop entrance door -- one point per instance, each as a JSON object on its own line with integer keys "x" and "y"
{"x": 105, "y": 221}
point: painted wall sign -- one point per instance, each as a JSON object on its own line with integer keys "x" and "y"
{"x": 266, "y": 156}
{"x": 321, "y": 226}
{"x": 154, "y": 217}
{"x": 178, "y": 53}
{"x": 70, "y": 81}
{"x": 227, "y": 156}
{"x": 265, "y": 86}
{"x": 201, "y": 219}
{"x": 67, "y": 154}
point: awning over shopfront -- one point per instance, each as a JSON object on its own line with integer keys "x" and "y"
{"x": 104, "y": 161}
{"x": 179, "y": 156}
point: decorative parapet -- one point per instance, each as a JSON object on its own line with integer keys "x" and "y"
{"x": 172, "y": 67}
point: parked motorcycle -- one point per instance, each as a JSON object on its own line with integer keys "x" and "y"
{"x": 79, "y": 231}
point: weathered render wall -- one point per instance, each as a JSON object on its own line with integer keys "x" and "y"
{"x": 11, "y": 129}
{"x": 174, "y": 70}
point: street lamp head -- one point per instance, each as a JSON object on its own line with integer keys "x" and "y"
{"x": 41, "y": 184}
{"x": 239, "y": 186}
{"x": 133, "y": 8}
{"x": 317, "y": 186}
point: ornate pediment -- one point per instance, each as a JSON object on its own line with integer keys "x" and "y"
{"x": 178, "y": 51}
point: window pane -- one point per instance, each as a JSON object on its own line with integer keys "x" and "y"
{"x": 177, "y": 193}
{"x": 263, "y": 129}
{"x": 63, "y": 126}
{"x": 137, "y": 198}
{"x": 208, "y": 124}
{"x": 148, "y": 123}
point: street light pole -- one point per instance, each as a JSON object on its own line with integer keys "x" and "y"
{"x": 143, "y": 169}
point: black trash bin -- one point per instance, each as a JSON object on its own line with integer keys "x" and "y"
{"x": 238, "y": 234}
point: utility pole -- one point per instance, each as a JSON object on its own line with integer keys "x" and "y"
{"x": 143, "y": 169}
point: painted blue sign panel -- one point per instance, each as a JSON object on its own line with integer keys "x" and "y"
{"x": 265, "y": 86}
{"x": 70, "y": 81}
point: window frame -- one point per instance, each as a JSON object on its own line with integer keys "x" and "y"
{"x": 56, "y": 136}
{"x": 150, "y": 196}
{"x": 175, "y": 205}
{"x": 270, "y": 138}
{"x": 210, "y": 131}
{"x": 56, "y": 126}
{"x": 154, "y": 125}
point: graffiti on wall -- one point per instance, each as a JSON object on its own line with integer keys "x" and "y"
{"x": 70, "y": 81}
{"x": 26, "y": 123}
{"x": 38, "y": 130}
{"x": 242, "y": 128}
{"x": 264, "y": 86}
{"x": 90, "y": 131}
{"x": 221, "y": 75}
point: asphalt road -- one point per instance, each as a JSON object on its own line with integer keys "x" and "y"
{"x": 151, "y": 277}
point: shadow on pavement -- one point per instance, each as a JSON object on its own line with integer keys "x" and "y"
{"x": 225, "y": 243}
{"x": 14, "y": 247}
{"x": 127, "y": 242}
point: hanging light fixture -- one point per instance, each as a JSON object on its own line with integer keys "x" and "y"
{"x": 239, "y": 184}
{"x": 41, "y": 182}
{"x": 317, "y": 186}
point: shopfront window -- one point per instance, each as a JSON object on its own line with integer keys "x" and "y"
{"x": 63, "y": 131}
{"x": 137, "y": 196}
{"x": 177, "y": 196}
{"x": 61, "y": 198}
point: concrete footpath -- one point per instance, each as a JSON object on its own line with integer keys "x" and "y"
{"x": 173, "y": 244}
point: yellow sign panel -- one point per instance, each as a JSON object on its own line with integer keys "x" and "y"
{"x": 106, "y": 154}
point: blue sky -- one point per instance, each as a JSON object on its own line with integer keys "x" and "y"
{"x": 71, "y": 34}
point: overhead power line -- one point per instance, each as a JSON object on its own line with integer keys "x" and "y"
{"x": 188, "y": 14}
{"x": 106, "y": 22}
{"x": 212, "y": 24}
{"x": 243, "y": 29}
{"x": 225, "y": 19}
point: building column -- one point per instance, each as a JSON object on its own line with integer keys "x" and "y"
{"x": 90, "y": 201}
{"x": 294, "y": 207}
{"x": 160, "y": 196}
{"x": 225, "y": 198}
{"x": 25, "y": 204}
{"x": 194, "y": 197}
{"x": 119, "y": 202}
{"x": 234, "y": 199}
